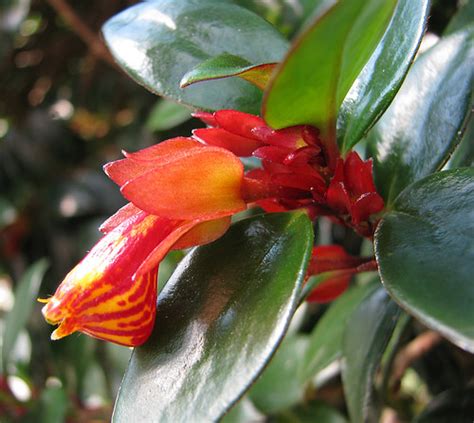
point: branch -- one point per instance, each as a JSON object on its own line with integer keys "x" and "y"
{"x": 412, "y": 352}
{"x": 93, "y": 41}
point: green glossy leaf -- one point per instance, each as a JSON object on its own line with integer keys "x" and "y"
{"x": 227, "y": 65}
{"x": 219, "y": 320}
{"x": 424, "y": 248}
{"x": 323, "y": 63}
{"x": 422, "y": 126}
{"x": 157, "y": 42}
{"x": 278, "y": 388}
{"x": 383, "y": 75}
{"x": 365, "y": 339}
{"x": 315, "y": 412}
{"x": 464, "y": 153}
{"x": 325, "y": 343}
{"x": 449, "y": 407}
{"x": 25, "y": 298}
{"x": 463, "y": 17}
{"x": 167, "y": 114}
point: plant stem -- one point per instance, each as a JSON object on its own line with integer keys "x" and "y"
{"x": 93, "y": 41}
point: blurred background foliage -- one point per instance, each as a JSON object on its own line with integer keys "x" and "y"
{"x": 65, "y": 110}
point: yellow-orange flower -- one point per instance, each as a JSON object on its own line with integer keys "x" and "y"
{"x": 183, "y": 194}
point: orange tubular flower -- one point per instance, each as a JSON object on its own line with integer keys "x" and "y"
{"x": 183, "y": 194}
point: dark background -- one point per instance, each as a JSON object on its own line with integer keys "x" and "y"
{"x": 65, "y": 110}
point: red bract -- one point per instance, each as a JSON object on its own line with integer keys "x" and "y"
{"x": 352, "y": 191}
{"x": 295, "y": 169}
{"x": 337, "y": 267}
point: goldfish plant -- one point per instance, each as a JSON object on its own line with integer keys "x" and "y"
{"x": 355, "y": 125}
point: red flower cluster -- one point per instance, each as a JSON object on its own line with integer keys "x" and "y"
{"x": 295, "y": 169}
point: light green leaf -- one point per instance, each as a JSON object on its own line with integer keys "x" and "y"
{"x": 325, "y": 343}
{"x": 322, "y": 64}
{"x": 227, "y": 65}
{"x": 278, "y": 387}
{"x": 25, "y": 299}
{"x": 166, "y": 115}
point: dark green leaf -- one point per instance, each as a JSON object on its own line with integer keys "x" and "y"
{"x": 421, "y": 127}
{"x": 316, "y": 412}
{"x": 25, "y": 298}
{"x": 425, "y": 252}
{"x": 463, "y": 18}
{"x": 382, "y": 76}
{"x": 324, "y": 62}
{"x": 365, "y": 339}
{"x": 220, "y": 318}
{"x": 157, "y": 42}
{"x": 166, "y": 115}
{"x": 278, "y": 388}
{"x": 464, "y": 153}
{"x": 449, "y": 407}
{"x": 326, "y": 339}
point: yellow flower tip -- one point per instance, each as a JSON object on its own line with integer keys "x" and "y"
{"x": 53, "y": 312}
{"x": 43, "y": 300}
{"x": 65, "y": 328}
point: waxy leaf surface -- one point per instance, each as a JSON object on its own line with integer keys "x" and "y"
{"x": 323, "y": 63}
{"x": 382, "y": 76}
{"x": 425, "y": 251}
{"x": 365, "y": 339}
{"x": 158, "y": 41}
{"x": 422, "y": 126}
{"x": 219, "y": 320}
